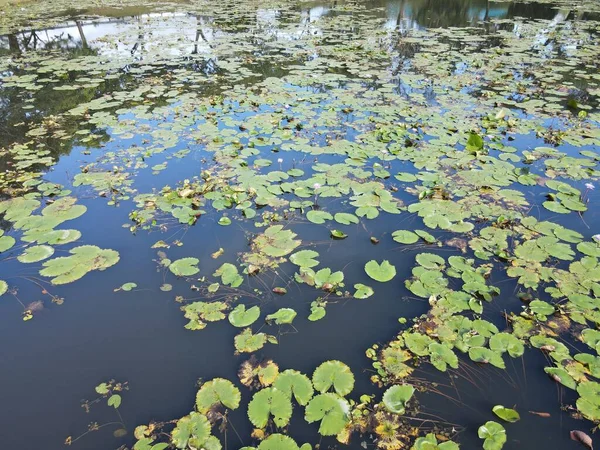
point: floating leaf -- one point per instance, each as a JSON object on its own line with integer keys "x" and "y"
{"x": 128, "y": 287}
{"x": 405, "y": 236}
{"x": 507, "y": 414}
{"x": 282, "y": 316}
{"x": 291, "y": 382}
{"x": 229, "y": 275}
{"x": 337, "y": 234}
{"x": 430, "y": 442}
{"x": 270, "y": 402}
{"x": 247, "y": 342}
{"x": 331, "y": 409}
{"x": 3, "y": 287}
{"x": 380, "y": 272}
{"x": 363, "y": 291}
{"x": 334, "y": 374}
{"x": 36, "y": 253}
{"x": 114, "y": 401}
{"x": 396, "y": 398}
{"x": 6, "y": 243}
{"x": 305, "y": 258}
{"x": 345, "y": 218}
{"x": 216, "y": 392}
{"x": 241, "y": 317}
{"x": 318, "y": 216}
{"x": 193, "y": 429}
{"x": 83, "y": 259}
{"x": 184, "y": 267}
{"x": 494, "y": 435}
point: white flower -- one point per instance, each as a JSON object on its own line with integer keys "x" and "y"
{"x": 589, "y": 186}
{"x": 279, "y": 160}
{"x": 316, "y": 186}
{"x": 596, "y": 238}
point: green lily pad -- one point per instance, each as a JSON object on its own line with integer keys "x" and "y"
{"x": 506, "y": 414}
{"x": 248, "y": 342}
{"x": 270, "y": 402}
{"x": 380, "y": 272}
{"x": 36, "y": 253}
{"x": 405, "y": 236}
{"x": 396, "y": 398}
{"x": 241, "y": 317}
{"x": 184, "y": 267}
{"x": 305, "y": 258}
{"x": 282, "y": 316}
{"x": 331, "y": 410}
{"x": 363, "y": 291}
{"x": 318, "y": 216}
{"x": 494, "y": 435}
{"x": 333, "y": 374}
{"x": 217, "y": 391}
{"x": 291, "y": 382}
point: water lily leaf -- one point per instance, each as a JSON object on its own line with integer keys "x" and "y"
{"x": 406, "y": 177}
{"x": 114, "y": 401}
{"x": 345, "y": 218}
{"x": 541, "y": 308}
{"x": 295, "y": 172}
{"x": 184, "y": 267}
{"x": 318, "y": 216}
{"x": 241, "y": 317}
{"x": 474, "y": 143}
{"x": 337, "y": 234}
{"x": 270, "y": 402}
{"x": 418, "y": 343}
{"x": 396, "y": 397}
{"x": 64, "y": 209}
{"x": 36, "y": 253}
{"x": 442, "y": 356}
{"x": 3, "y": 287}
{"x": 334, "y": 374}
{"x": 247, "y": 342}
{"x": 561, "y": 376}
{"x": 380, "y": 272}
{"x": 494, "y": 435}
{"x": 192, "y": 428}
{"x": 305, "y": 258}
{"x": 556, "y": 207}
{"x": 282, "y": 316}
{"x": 291, "y": 382}
{"x": 430, "y": 442}
{"x": 589, "y": 248}
{"x": 430, "y": 260}
{"x": 6, "y": 243}
{"x": 331, "y": 409}
{"x": 405, "y": 236}
{"x": 229, "y": 275}
{"x": 506, "y": 342}
{"x": 589, "y": 401}
{"x": 316, "y": 313}
{"x": 363, "y": 291}
{"x": 128, "y": 286}
{"x": 507, "y": 414}
{"x": 426, "y": 236}
{"x": 83, "y": 259}
{"x": 217, "y": 391}
{"x": 224, "y": 221}
{"x": 486, "y": 356}
{"x": 278, "y": 441}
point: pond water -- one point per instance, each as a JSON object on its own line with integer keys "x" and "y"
{"x": 396, "y": 199}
